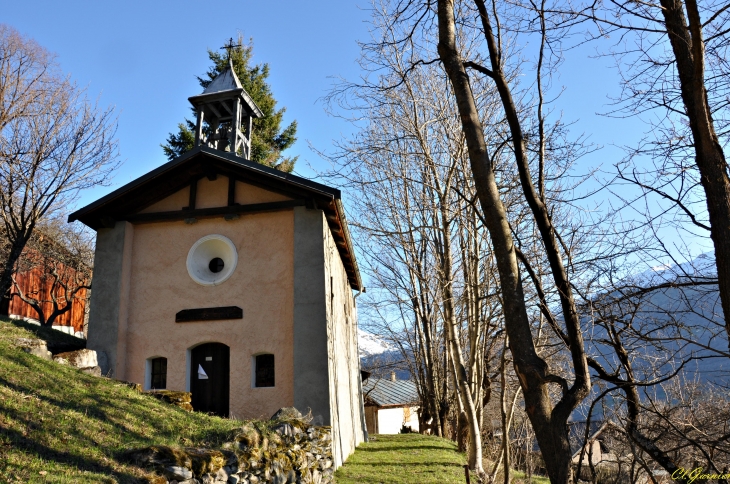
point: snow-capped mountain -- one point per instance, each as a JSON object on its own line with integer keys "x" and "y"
{"x": 371, "y": 344}
{"x": 379, "y": 356}
{"x": 703, "y": 266}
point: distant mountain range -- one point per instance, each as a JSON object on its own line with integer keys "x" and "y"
{"x": 703, "y": 267}
{"x": 381, "y": 357}
{"x": 671, "y": 325}
{"x": 681, "y": 324}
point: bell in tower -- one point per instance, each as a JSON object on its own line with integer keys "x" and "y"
{"x": 228, "y": 111}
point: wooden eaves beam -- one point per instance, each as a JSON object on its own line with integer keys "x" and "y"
{"x": 141, "y": 218}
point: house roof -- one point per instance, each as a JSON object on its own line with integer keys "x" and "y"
{"x": 126, "y": 202}
{"x": 577, "y": 434}
{"x": 383, "y": 392}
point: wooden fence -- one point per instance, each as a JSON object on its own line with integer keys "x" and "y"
{"x": 37, "y": 284}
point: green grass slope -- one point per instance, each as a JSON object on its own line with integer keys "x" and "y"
{"x": 413, "y": 459}
{"x": 62, "y": 426}
{"x": 57, "y": 341}
{"x": 404, "y": 459}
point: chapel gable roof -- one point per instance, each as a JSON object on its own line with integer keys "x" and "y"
{"x": 220, "y": 89}
{"x": 226, "y": 81}
{"x": 125, "y": 203}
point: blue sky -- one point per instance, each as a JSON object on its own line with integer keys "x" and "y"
{"x": 143, "y": 58}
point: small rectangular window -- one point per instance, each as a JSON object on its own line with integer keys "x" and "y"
{"x": 264, "y": 371}
{"x": 158, "y": 377}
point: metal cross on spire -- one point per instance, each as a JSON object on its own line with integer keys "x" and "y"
{"x": 229, "y": 47}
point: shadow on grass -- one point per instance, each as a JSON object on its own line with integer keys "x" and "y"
{"x": 119, "y": 403}
{"x": 121, "y": 412}
{"x": 99, "y": 400}
{"x": 414, "y": 446}
{"x": 351, "y": 465}
{"x": 46, "y": 453}
{"x": 58, "y": 341}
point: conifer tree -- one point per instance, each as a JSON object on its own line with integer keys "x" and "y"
{"x": 268, "y": 140}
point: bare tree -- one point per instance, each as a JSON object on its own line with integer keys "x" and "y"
{"x": 53, "y": 142}
{"x": 62, "y": 255}
{"x": 673, "y": 56}
{"x": 548, "y": 420}
{"x": 650, "y": 336}
{"x": 495, "y": 141}
{"x": 430, "y": 253}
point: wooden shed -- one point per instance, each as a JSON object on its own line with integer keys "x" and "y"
{"x": 35, "y": 280}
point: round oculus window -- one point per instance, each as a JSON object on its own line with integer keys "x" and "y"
{"x": 212, "y": 260}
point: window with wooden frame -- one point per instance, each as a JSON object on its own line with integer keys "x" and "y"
{"x": 264, "y": 373}
{"x": 158, "y": 373}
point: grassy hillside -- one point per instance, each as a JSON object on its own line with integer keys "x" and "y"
{"x": 59, "y": 425}
{"x": 57, "y": 341}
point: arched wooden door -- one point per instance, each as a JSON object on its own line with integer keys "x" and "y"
{"x": 210, "y": 378}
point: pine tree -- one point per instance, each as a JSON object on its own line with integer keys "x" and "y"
{"x": 268, "y": 141}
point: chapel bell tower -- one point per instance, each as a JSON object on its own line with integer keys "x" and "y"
{"x": 228, "y": 111}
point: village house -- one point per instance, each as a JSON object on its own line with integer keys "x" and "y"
{"x": 391, "y": 405}
{"x": 590, "y": 450}
{"x": 229, "y": 279}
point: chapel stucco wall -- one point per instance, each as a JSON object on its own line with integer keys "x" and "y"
{"x": 262, "y": 284}
{"x": 108, "y": 305}
{"x": 215, "y": 194}
{"x": 176, "y": 201}
{"x": 348, "y": 419}
{"x": 292, "y": 287}
{"x": 311, "y": 384}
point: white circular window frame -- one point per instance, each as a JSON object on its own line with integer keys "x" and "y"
{"x": 228, "y": 268}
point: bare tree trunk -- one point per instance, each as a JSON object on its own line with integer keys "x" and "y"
{"x": 461, "y": 432}
{"x": 633, "y": 404}
{"x": 550, "y": 424}
{"x": 507, "y": 414}
{"x": 8, "y": 269}
{"x": 505, "y": 422}
{"x": 689, "y": 52}
{"x": 424, "y": 332}
{"x": 443, "y": 403}
{"x": 461, "y": 377}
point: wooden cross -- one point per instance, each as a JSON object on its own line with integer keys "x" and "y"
{"x": 229, "y": 47}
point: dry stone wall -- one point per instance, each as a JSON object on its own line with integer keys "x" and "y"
{"x": 286, "y": 449}
{"x": 179, "y": 399}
